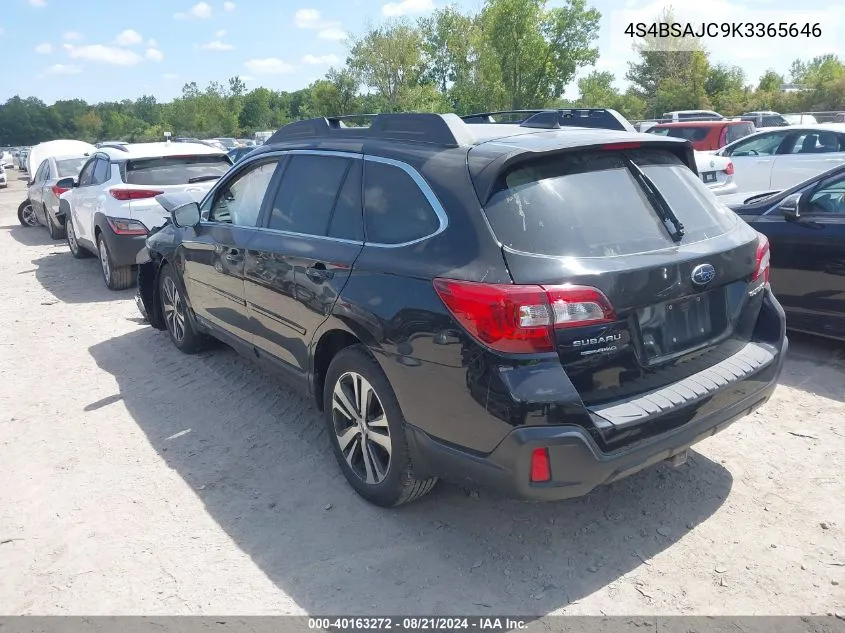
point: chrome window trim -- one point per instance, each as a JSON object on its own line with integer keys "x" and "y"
{"x": 424, "y": 187}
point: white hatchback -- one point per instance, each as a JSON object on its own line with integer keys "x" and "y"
{"x": 782, "y": 157}
{"x": 111, "y": 209}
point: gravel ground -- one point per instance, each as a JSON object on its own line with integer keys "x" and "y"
{"x": 137, "y": 480}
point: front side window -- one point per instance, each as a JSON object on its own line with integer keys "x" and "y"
{"x": 39, "y": 173}
{"x": 101, "y": 171}
{"x": 828, "y": 199}
{"x": 239, "y": 201}
{"x": 395, "y": 209}
{"x": 87, "y": 173}
{"x": 763, "y": 145}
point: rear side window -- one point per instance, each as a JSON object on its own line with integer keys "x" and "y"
{"x": 588, "y": 205}
{"x": 175, "y": 170}
{"x": 696, "y": 133}
{"x": 69, "y": 167}
{"x": 395, "y": 209}
{"x": 308, "y": 192}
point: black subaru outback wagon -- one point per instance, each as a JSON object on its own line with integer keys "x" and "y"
{"x": 539, "y": 307}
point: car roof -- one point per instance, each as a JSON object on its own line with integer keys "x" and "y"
{"x": 133, "y": 151}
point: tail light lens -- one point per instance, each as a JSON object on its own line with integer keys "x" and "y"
{"x": 134, "y": 194}
{"x": 123, "y": 226}
{"x": 540, "y": 469}
{"x": 729, "y": 170}
{"x": 57, "y": 191}
{"x": 762, "y": 268}
{"x": 519, "y": 319}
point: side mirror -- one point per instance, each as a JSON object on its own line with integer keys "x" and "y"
{"x": 790, "y": 207}
{"x": 184, "y": 210}
{"x": 66, "y": 183}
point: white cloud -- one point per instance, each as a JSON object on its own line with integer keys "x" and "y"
{"x": 200, "y": 10}
{"x": 63, "y": 69}
{"x": 220, "y": 33}
{"x": 217, "y": 45}
{"x": 247, "y": 78}
{"x": 170, "y": 76}
{"x": 105, "y": 54}
{"x": 228, "y": 6}
{"x": 38, "y": 3}
{"x": 269, "y": 66}
{"x": 406, "y": 7}
{"x": 128, "y": 38}
{"x": 151, "y": 43}
{"x": 72, "y": 36}
{"x": 44, "y": 48}
{"x": 316, "y": 60}
{"x": 154, "y": 54}
{"x": 333, "y": 34}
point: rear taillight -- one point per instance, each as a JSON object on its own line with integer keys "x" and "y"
{"x": 134, "y": 194}
{"x": 521, "y": 319}
{"x": 621, "y": 146}
{"x": 760, "y": 278}
{"x": 124, "y": 226}
{"x": 57, "y": 191}
{"x": 729, "y": 170}
{"x": 540, "y": 469}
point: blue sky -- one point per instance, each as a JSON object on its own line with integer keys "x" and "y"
{"x": 106, "y": 50}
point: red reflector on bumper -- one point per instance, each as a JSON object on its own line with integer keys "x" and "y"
{"x": 540, "y": 470}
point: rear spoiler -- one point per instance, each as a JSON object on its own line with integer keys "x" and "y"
{"x": 487, "y": 174}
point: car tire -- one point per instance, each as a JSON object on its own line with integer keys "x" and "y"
{"x": 56, "y": 232}
{"x": 177, "y": 315}
{"x": 76, "y": 249}
{"x": 374, "y": 458}
{"x": 26, "y": 214}
{"x": 116, "y": 277}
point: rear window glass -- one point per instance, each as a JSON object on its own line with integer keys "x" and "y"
{"x": 70, "y": 167}
{"x": 736, "y": 132}
{"x": 589, "y": 205}
{"x": 175, "y": 170}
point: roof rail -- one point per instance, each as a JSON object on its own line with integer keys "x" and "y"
{"x": 552, "y": 119}
{"x": 446, "y": 130}
{"x": 122, "y": 148}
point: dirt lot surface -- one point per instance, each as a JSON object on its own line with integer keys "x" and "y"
{"x": 136, "y": 480}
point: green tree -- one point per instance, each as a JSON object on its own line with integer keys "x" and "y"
{"x": 770, "y": 81}
{"x": 539, "y": 50}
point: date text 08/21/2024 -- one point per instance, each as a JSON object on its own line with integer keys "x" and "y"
{"x": 665, "y": 30}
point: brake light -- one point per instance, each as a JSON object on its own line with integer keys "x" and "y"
{"x": 621, "y": 146}
{"x": 729, "y": 170}
{"x": 519, "y": 319}
{"x": 57, "y": 191}
{"x": 540, "y": 469}
{"x": 123, "y": 226}
{"x": 760, "y": 278}
{"x": 134, "y": 194}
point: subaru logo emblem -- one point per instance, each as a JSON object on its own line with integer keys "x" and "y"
{"x": 703, "y": 274}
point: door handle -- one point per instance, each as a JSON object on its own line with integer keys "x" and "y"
{"x": 318, "y": 273}
{"x": 234, "y": 255}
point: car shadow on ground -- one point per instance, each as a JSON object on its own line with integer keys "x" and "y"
{"x": 74, "y": 280}
{"x": 815, "y": 365}
{"x": 32, "y": 236}
{"x": 257, "y": 455}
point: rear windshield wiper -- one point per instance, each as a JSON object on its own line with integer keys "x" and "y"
{"x": 202, "y": 178}
{"x": 667, "y": 217}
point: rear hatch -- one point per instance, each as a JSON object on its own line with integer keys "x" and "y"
{"x": 652, "y": 304}
{"x": 145, "y": 178}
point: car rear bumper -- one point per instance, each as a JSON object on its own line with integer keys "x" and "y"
{"x": 725, "y": 189}
{"x": 578, "y": 463}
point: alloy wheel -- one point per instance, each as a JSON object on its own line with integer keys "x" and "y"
{"x": 361, "y": 428}
{"x": 104, "y": 259}
{"x": 71, "y": 237}
{"x": 29, "y": 216}
{"x": 174, "y": 309}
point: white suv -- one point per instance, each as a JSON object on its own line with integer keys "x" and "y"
{"x": 111, "y": 208}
